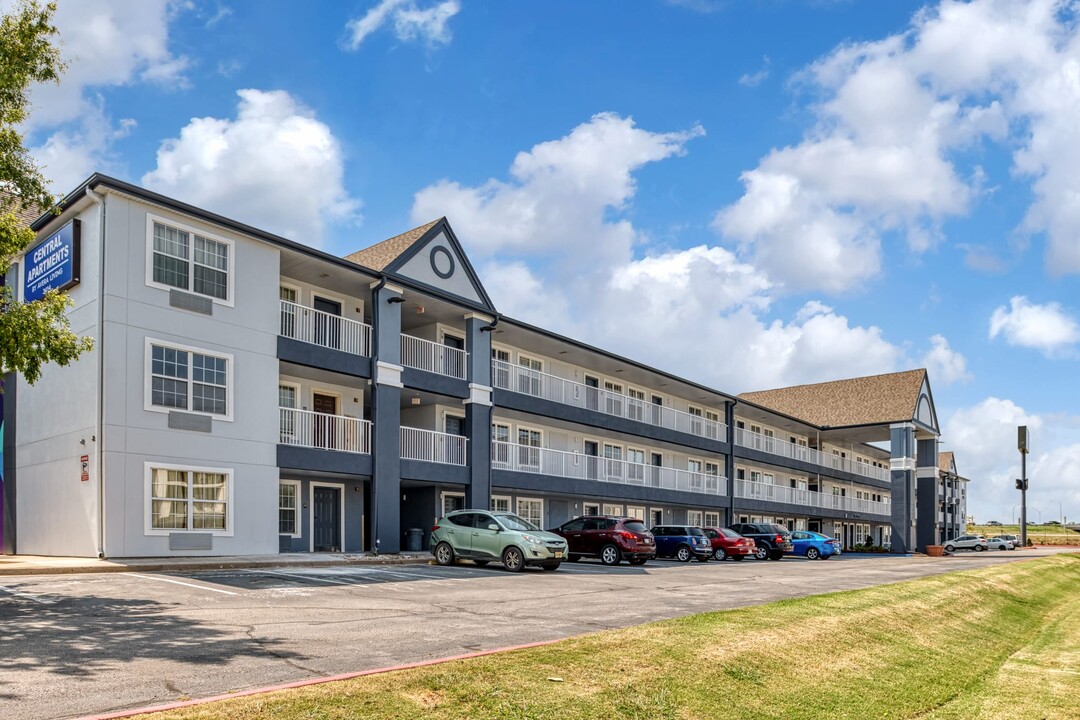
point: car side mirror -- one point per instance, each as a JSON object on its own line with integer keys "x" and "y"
{"x": 494, "y": 527}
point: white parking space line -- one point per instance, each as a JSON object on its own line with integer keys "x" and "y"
{"x": 27, "y": 596}
{"x": 181, "y": 582}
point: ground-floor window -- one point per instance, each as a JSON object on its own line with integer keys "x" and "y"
{"x": 452, "y": 502}
{"x": 635, "y": 512}
{"x": 612, "y": 509}
{"x": 712, "y": 519}
{"x": 188, "y": 498}
{"x": 532, "y": 510}
{"x": 693, "y": 518}
{"x": 591, "y": 509}
{"x": 500, "y": 503}
{"x": 288, "y": 508}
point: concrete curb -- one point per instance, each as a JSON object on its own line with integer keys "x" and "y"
{"x": 312, "y": 681}
{"x": 208, "y": 564}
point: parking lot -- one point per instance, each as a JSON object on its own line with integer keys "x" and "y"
{"x": 77, "y": 644}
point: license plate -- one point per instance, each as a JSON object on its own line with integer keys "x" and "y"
{"x": 558, "y": 553}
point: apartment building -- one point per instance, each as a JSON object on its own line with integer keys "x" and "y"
{"x": 952, "y": 491}
{"x": 249, "y": 394}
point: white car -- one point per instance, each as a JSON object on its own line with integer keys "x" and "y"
{"x": 1004, "y": 542}
{"x": 977, "y": 543}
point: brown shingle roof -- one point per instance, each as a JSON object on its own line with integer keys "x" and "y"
{"x": 380, "y": 255}
{"x": 945, "y": 460}
{"x": 9, "y": 202}
{"x": 872, "y": 400}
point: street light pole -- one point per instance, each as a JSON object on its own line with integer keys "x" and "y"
{"x": 1022, "y": 443}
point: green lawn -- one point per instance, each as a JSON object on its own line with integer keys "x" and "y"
{"x": 999, "y": 642}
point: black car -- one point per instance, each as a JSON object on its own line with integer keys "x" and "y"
{"x": 770, "y": 540}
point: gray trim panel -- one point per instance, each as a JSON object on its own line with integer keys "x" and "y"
{"x": 317, "y": 356}
{"x": 329, "y": 461}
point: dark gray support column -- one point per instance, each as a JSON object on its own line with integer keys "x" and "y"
{"x": 7, "y": 416}
{"x": 928, "y": 507}
{"x": 729, "y": 461}
{"x": 478, "y": 410}
{"x": 386, "y": 419}
{"x": 902, "y": 465}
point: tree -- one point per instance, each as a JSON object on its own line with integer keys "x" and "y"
{"x": 35, "y": 333}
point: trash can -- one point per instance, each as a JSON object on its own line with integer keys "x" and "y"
{"x": 414, "y": 539}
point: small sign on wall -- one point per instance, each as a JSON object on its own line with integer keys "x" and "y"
{"x": 84, "y": 472}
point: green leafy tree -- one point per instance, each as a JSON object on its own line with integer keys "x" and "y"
{"x": 31, "y": 334}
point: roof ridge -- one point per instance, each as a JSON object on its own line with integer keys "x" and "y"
{"x": 831, "y": 382}
{"x": 383, "y": 253}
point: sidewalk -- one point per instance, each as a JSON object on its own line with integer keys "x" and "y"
{"x": 44, "y": 565}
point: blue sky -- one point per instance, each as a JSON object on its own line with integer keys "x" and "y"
{"x": 811, "y": 189}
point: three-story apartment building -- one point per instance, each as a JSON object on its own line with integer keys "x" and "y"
{"x": 249, "y": 394}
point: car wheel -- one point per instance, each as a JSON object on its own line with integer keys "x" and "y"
{"x": 812, "y": 553}
{"x": 444, "y": 554}
{"x": 738, "y": 558}
{"x": 513, "y": 560}
{"x": 980, "y": 548}
{"x": 1002, "y": 547}
{"x": 552, "y": 567}
{"x": 719, "y": 554}
{"x": 481, "y": 563}
{"x": 683, "y": 554}
{"x": 950, "y": 548}
{"x": 610, "y": 555}
{"x": 761, "y": 552}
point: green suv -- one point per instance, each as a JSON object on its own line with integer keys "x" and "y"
{"x": 483, "y": 536}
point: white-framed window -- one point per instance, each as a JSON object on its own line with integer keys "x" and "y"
{"x": 183, "y": 498}
{"x": 712, "y": 519}
{"x": 636, "y": 404}
{"x": 590, "y": 509}
{"x": 181, "y": 257}
{"x": 289, "y": 508}
{"x": 500, "y": 503}
{"x": 500, "y": 448}
{"x": 694, "y": 518}
{"x": 179, "y": 377}
{"x": 613, "y": 509}
{"x": 712, "y": 468}
{"x": 452, "y": 501}
{"x": 532, "y": 510}
{"x": 289, "y": 293}
{"x": 635, "y": 511}
{"x": 693, "y": 465}
{"x": 288, "y": 399}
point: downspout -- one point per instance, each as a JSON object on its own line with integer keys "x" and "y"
{"x": 100, "y": 420}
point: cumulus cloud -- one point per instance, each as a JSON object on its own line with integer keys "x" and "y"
{"x": 558, "y": 249}
{"x": 236, "y": 167}
{"x": 882, "y": 157}
{"x": 945, "y": 365}
{"x": 1047, "y": 328}
{"x": 410, "y": 22}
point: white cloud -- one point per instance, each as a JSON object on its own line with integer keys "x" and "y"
{"x": 558, "y": 250}
{"x": 983, "y": 436}
{"x": 882, "y": 155}
{"x": 430, "y": 25}
{"x": 1048, "y": 328}
{"x": 945, "y": 365}
{"x": 756, "y": 78}
{"x": 236, "y": 167}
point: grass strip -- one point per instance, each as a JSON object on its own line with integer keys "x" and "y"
{"x": 998, "y": 642}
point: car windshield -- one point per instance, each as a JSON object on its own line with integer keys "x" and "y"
{"x": 513, "y": 522}
{"x": 695, "y": 531}
{"x": 635, "y": 527}
{"x": 778, "y": 529}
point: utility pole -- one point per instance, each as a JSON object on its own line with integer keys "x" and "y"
{"x": 1022, "y": 444}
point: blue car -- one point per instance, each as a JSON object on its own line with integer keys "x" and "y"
{"x": 813, "y": 546}
{"x": 682, "y": 542}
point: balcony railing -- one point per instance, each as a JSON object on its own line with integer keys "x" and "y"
{"x": 320, "y": 430}
{"x": 794, "y": 451}
{"x": 768, "y": 492}
{"x": 322, "y": 328}
{"x": 544, "y": 461}
{"x": 516, "y": 378}
{"x": 432, "y": 446}
{"x": 434, "y": 357}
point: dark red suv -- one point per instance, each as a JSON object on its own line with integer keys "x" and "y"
{"x": 612, "y": 539}
{"x": 728, "y": 543}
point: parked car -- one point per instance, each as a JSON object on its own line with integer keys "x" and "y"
{"x": 967, "y": 542}
{"x": 608, "y": 537}
{"x": 1004, "y": 542}
{"x": 995, "y": 523}
{"x": 483, "y": 536}
{"x": 728, "y": 544}
{"x": 682, "y": 542}
{"x": 814, "y": 546}
{"x": 770, "y": 540}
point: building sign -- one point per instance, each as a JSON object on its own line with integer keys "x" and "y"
{"x": 84, "y": 473}
{"x": 53, "y": 264}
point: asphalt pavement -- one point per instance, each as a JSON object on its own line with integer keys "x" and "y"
{"x": 72, "y": 645}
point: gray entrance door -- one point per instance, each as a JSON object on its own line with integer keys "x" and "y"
{"x": 327, "y": 329}
{"x": 327, "y": 520}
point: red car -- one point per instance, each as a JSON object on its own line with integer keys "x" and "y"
{"x": 729, "y": 544}
{"x": 610, "y": 538}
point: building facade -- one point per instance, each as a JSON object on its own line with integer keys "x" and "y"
{"x": 952, "y": 499}
{"x": 249, "y": 394}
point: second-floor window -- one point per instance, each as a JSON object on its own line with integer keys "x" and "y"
{"x": 188, "y": 379}
{"x": 190, "y": 261}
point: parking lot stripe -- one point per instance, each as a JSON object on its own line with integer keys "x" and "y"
{"x": 181, "y": 582}
{"x": 297, "y": 576}
{"x": 27, "y": 596}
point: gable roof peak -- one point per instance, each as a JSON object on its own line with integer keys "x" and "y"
{"x": 380, "y": 255}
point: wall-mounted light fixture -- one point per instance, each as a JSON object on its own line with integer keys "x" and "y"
{"x": 415, "y": 400}
{"x": 395, "y": 299}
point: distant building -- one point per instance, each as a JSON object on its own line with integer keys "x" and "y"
{"x": 952, "y": 499}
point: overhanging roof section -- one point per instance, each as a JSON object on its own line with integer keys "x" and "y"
{"x": 857, "y": 402}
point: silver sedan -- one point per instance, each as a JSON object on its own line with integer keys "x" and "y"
{"x": 977, "y": 543}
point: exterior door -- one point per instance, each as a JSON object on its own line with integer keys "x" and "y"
{"x": 326, "y": 529}
{"x": 657, "y": 414}
{"x": 324, "y": 434}
{"x": 592, "y": 453}
{"x": 501, "y": 367}
{"x": 656, "y": 517}
{"x": 327, "y": 327}
{"x": 592, "y": 392}
{"x": 453, "y": 363}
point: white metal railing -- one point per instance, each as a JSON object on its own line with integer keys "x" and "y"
{"x": 322, "y": 328}
{"x": 752, "y": 490}
{"x": 432, "y": 446}
{"x": 544, "y": 461}
{"x": 517, "y": 378}
{"x": 434, "y": 357}
{"x": 794, "y": 451}
{"x": 320, "y": 430}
